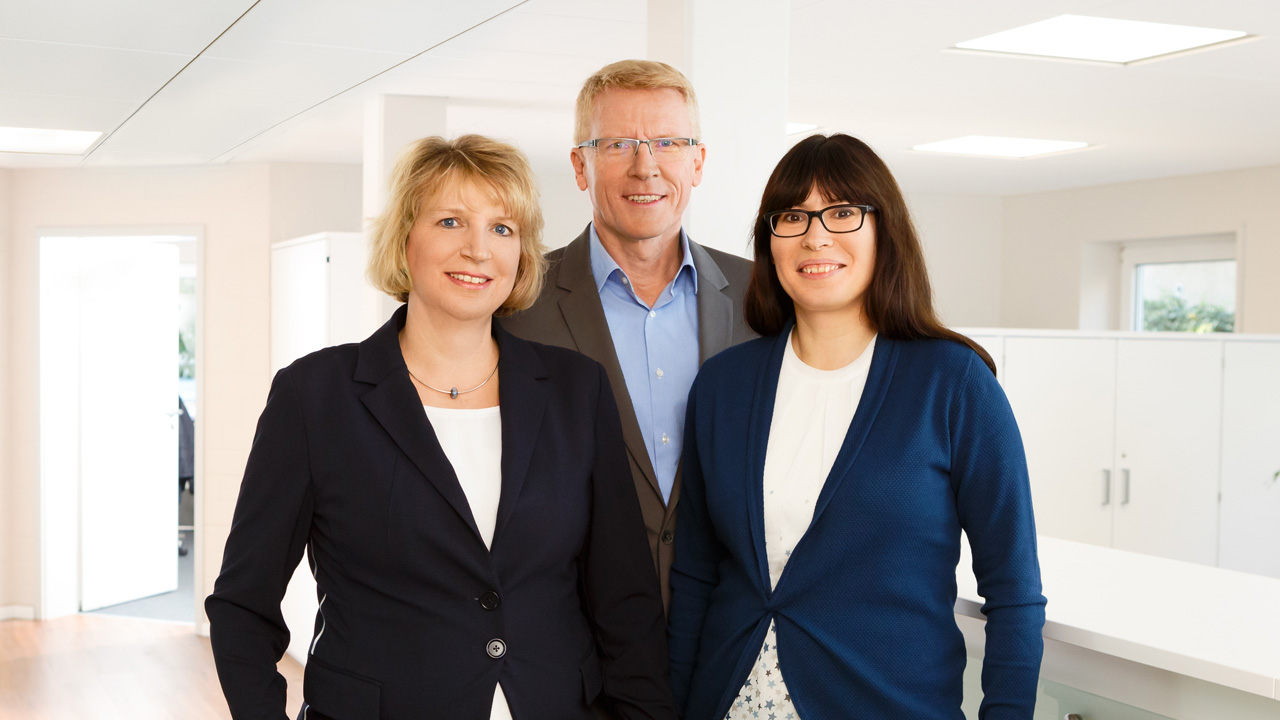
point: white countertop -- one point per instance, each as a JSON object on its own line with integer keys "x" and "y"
{"x": 1217, "y": 625}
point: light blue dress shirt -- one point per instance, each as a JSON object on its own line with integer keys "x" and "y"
{"x": 657, "y": 348}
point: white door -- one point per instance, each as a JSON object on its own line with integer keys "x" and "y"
{"x": 1250, "y": 535}
{"x": 1168, "y": 414}
{"x": 1063, "y": 395}
{"x": 128, "y": 420}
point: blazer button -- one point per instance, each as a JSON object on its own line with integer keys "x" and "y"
{"x": 490, "y": 601}
{"x": 668, "y": 537}
{"x": 496, "y": 648}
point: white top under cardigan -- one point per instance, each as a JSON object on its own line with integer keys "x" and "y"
{"x": 811, "y": 415}
{"x": 472, "y": 440}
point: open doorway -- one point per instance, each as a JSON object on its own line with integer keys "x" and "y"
{"x": 118, "y": 407}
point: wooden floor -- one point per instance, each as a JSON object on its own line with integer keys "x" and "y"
{"x": 89, "y": 667}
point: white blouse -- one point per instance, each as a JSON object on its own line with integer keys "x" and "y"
{"x": 811, "y": 415}
{"x": 472, "y": 440}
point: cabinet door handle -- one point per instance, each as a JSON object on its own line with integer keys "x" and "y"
{"x": 1124, "y": 494}
{"x": 1106, "y": 487}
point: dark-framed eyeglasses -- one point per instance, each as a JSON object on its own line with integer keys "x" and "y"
{"x": 664, "y": 148}
{"x": 845, "y": 218}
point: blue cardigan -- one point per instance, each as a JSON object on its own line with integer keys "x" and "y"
{"x": 864, "y": 608}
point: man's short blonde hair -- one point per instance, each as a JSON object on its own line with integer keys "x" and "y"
{"x": 631, "y": 75}
{"x": 434, "y": 164}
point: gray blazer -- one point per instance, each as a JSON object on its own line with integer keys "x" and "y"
{"x": 568, "y": 313}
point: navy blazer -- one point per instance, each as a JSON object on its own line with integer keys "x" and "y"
{"x": 417, "y": 618}
{"x": 864, "y": 608}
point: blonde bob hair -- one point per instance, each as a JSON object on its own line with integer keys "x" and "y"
{"x": 632, "y": 75}
{"x": 433, "y": 164}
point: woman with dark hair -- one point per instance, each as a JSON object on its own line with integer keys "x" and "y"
{"x": 829, "y": 469}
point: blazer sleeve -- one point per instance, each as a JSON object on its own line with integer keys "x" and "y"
{"x": 993, "y": 492}
{"x": 619, "y": 581}
{"x": 695, "y": 572}
{"x": 268, "y": 534}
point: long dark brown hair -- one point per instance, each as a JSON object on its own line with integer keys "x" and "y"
{"x": 899, "y": 300}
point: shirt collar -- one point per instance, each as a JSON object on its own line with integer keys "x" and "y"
{"x": 603, "y": 265}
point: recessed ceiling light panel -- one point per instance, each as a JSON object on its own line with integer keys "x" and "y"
{"x": 999, "y": 146}
{"x": 1079, "y": 37}
{"x": 51, "y": 142}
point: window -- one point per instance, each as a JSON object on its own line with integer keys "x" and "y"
{"x": 1185, "y": 285}
{"x": 1185, "y": 297}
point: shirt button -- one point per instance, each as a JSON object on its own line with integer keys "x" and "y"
{"x": 653, "y": 313}
{"x": 625, "y": 281}
{"x": 490, "y": 601}
{"x": 496, "y": 648}
{"x": 665, "y": 439}
{"x": 659, "y": 373}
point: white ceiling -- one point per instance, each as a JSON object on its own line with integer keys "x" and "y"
{"x": 285, "y": 80}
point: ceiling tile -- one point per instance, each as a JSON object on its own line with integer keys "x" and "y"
{"x": 206, "y": 125}
{"x": 41, "y": 68}
{"x": 380, "y": 25}
{"x": 36, "y": 160}
{"x": 61, "y": 112}
{"x": 154, "y": 25}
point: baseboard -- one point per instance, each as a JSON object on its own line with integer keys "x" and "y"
{"x": 17, "y": 612}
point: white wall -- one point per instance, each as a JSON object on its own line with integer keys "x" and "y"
{"x": 309, "y": 198}
{"x": 961, "y": 235}
{"x": 6, "y": 504}
{"x": 566, "y": 210}
{"x": 241, "y": 208}
{"x": 1047, "y": 237}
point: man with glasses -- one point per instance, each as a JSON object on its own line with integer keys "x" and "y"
{"x": 633, "y": 291}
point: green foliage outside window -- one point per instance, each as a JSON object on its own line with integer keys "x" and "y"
{"x": 186, "y": 327}
{"x": 1171, "y": 313}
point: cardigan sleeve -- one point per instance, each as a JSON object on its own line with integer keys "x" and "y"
{"x": 695, "y": 572}
{"x": 993, "y": 497}
{"x": 622, "y": 592}
{"x": 269, "y": 531}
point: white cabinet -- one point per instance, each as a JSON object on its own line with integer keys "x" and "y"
{"x": 1250, "y": 537}
{"x": 1168, "y": 440}
{"x": 1122, "y": 438}
{"x": 1063, "y": 395}
{"x": 319, "y": 297}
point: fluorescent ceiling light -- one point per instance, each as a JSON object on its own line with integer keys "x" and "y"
{"x": 999, "y": 146}
{"x": 797, "y": 128}
{"x": 1102, "y": 39}
{"x": 52, "y": 142}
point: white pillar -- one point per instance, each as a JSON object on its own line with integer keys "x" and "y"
{"x": 391, "y": 122}
{"x": 735, "y": 53}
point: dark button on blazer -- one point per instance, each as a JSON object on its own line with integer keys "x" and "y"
{"x": 418, "y": 619}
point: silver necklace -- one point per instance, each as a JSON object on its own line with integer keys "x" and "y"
{"x": 453, "y": 392}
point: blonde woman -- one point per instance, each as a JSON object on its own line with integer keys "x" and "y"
{"x": 463, "y": 495}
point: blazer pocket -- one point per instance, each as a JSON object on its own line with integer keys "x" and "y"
{"x": 333, "y": 693}
{"x": 591, "y": 681}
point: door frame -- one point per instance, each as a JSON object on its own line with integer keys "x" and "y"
{"x": 48, "y": 605}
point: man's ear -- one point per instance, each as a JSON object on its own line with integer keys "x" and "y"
{"x": 698, "y": 159}
{"x": 579, "y": 168}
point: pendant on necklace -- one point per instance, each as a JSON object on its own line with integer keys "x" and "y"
{"x": 453, "y": 393}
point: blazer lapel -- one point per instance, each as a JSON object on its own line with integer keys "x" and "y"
{"x": 394, "y": 403}
{"x": 524, "y": 400}
{"x": 585, "y": 318}
{"x": 715, "y": 309}
{"x": 883, "y": 361}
